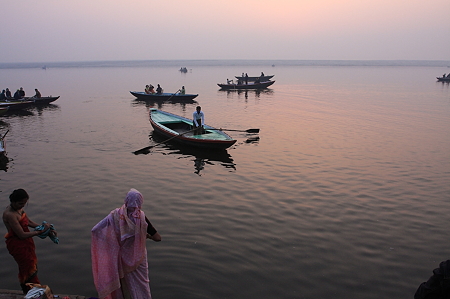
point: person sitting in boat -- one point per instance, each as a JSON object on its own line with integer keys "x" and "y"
{"x": 182, "y": 90}
{"x": 198, "y": 120}
{"x": 8, "y": 93}
{"x": 152, "y": 89}
{"x": 21, "y": 93}
{"x": 159, "y": 90}
{"x": 229, "y": 81}
{"x": 3, "y": 95}
{"x": 17, "y": 95}
{"x": 38, "y": 94}
{"x": 147, "y": 89}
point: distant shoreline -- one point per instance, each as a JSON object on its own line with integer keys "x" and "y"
{"x": 224, "y": 62}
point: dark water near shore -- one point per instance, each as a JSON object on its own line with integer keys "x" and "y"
{"x": 344, "y": 195}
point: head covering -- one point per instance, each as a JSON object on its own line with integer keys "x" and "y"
{"x": 133, "y": 203}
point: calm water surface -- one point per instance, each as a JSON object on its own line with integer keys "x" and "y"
{"x": 344, "y": 195}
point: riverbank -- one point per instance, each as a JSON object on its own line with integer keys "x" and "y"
{"x": 15, "y": 294}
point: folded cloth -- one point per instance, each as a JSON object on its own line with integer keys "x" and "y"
{"x": 47, "y": 233}
{"x": 35, "y": 293}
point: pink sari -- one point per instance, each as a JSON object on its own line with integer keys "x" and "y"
{"x": 119, "y": 255}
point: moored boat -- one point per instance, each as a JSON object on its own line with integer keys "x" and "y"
{"x": 179, "y": 129}
{"x": 253, "y": 79}
{"x": 252, "y": 85}
{"x": 163, "y": 96}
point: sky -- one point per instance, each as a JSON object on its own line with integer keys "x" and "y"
{"x": 92, "y": 30}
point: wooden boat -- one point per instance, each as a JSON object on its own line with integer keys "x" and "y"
{"x": 15, "y": 104}
{"x": 253, "y": 79}
{"x": 179, "y": 129}
{"x": 163, "y": 96}
{"x": 443, "y": 79}
{"x": 43, "y": 100}
{"x": 251, "y": 85}
{"x": 3, "y": 110}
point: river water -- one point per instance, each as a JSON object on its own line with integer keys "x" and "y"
{"x": 344, "y": 193}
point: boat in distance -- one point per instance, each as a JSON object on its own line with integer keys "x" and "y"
{"x": 251, "y": 85}
{"x": 163, "y": 96}
{"x": 180, "y": 129}
{"x": 443, "y": 79}
{"x": 253, "y": 79}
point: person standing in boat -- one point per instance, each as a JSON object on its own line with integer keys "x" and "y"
{"x": 19, "y": 239}
{"x": 246, "y": 78}
{"x": 198, "y": 120}
{"x": 159, "y": 90}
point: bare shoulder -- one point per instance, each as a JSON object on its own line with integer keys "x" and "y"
{"x": 9, "y": 216}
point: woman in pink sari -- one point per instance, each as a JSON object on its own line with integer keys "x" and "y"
{"x": 119, "y": 255}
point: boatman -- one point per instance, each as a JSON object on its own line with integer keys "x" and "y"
{"x": 198, "y": 120}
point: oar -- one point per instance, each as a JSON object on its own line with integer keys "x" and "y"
{"x": 145, "y": 149}
{"x": 173, "y": 94}
{"x": 247, "y": 131}
{"x": 5, "y": 135}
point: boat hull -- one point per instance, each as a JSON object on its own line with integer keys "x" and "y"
{"x": 43, "y": 100}
{"x": 253, "y": 79}
{"x": 164, "y": 96}
{"x": 181, "y": 131}
{"x": 443, "y": 79}
{"x": 16, "y": 104}
{"x": 261, "y": 85}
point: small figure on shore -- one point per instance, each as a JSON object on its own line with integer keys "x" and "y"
{"x": 19, "y": 239}
{"x": 38, "y": 94}
{"x": 159, "y": 90}
{"x": 182, "y": 90}
{"x": 198, "y": 120}
{"x": 119, "y": 253}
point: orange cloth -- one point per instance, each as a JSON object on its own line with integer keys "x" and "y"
{"x": 24, "y": 254}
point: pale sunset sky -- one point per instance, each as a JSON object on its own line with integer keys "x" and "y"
{"x": 89, "y": 30}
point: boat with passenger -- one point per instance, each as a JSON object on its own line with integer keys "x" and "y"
{"x": 250, "y": 85}
{"x": 180, "y": 130}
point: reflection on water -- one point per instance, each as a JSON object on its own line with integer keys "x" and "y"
{"x": 201, "y": 157}
{"x": 4, "y": 160}
{"x": 159, "y": 104}
{"x": 245, "y": 92}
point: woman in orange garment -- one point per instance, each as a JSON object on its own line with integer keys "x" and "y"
{"x": 19, "y": 239}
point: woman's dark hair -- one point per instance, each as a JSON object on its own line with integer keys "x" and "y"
{"x": 18, "y": 195}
